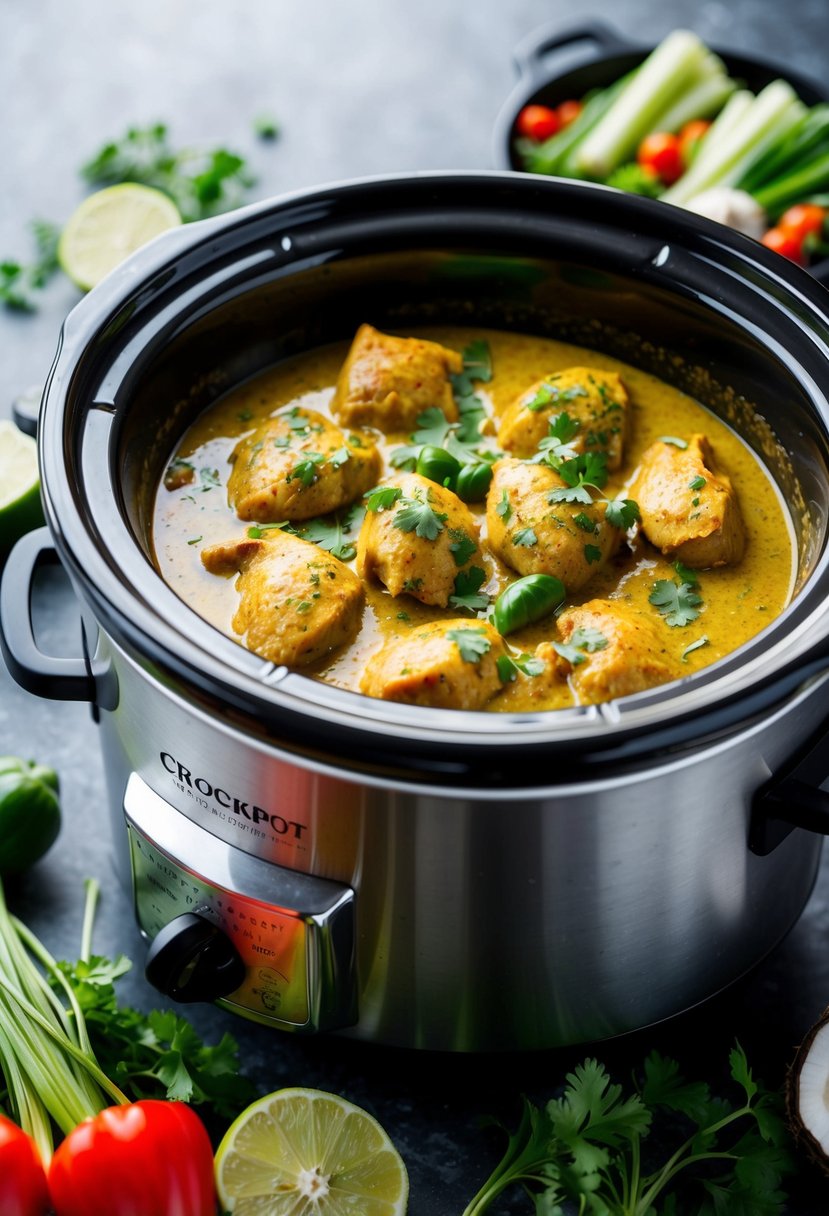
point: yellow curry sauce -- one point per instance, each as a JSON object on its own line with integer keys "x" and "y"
{"x": 737, "y": 601}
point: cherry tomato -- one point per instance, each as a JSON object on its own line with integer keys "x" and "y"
{"x": 802, "y": 220}
{"x": 568, "y": 111}
{"x": 660, "y": 153}
{"x": 538, "y": 122}
{"x": 689, "y": 138}
{"x": 785, "y": 243}
{"x": 23, "y": 1190}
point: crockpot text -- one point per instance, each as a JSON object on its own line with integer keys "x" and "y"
{"x": 229, "y": 802}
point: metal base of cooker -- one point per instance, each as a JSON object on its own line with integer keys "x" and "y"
{"x": 482, "y": 920}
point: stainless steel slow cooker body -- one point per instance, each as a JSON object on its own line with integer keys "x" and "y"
{"x": 450, "y": 880}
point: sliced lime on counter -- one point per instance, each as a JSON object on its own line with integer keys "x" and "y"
{"x": 302, "y": 1150}
{"x": 20, "y": 506}
{"x": 110, "y": 225}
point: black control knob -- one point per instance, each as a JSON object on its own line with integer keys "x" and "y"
{"x": 191, "y": 960}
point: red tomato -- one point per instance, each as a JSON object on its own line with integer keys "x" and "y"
{"x": 23, "y": 1190}
{"x": 785, "y": 243}
{"x": 538, "y": 122}
{"x": 802, "y": 220}
{"x": 568, "y": 111}
{"x": 660, "y": 153}
{"x": 689, "y": 137}
{"x": 148, "y": 1157}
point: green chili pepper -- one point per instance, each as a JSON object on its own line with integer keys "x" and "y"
{"x": 438, "y": 465}
{"x": 473, "y": 482}
{"x": 526, "y": 600}
{"x": 29, "y": 812}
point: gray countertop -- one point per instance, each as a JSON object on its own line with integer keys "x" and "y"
{"x": 358, "y": 87}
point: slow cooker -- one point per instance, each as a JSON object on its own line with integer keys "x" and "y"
{"x": 322, "y": 861}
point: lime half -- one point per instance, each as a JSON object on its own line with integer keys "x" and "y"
{"x": 20, "y": 508}
{"x": 110, "y": 225}
{"x": 301, "y": 1152}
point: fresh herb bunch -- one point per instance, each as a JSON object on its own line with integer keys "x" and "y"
{"x": 156, "y": 1054}
{"x": 584, "y": 1152}
{"x": 200, "y": 183}
{"x": 19, "y": 281}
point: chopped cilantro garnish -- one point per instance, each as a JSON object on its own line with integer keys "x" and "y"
{"x": 525, "y": 538}
{"x": 622, "y": 513}
{"x": 432, "y": 427}
{"x": 462, "y": 546}
{"x": 509, "y": 667}
{"x": 592, "y": 554}
{"x": 585, "y": 523}
{"x": 703, "y": 641}
{"x": 473, "y": 644}
{"x": 503, "y": 507}
{"x": 468, "y": 592}
{"x": 306, "y": 470}
{"x": 330, "y": 532}
{"x": 419, "y": 517}
{"x": 582, "y": 642}
{"x": 678, "y": 604}
{"x": 672, "y": 439}
{"x": 696, "y": 483}
{"x": 339, "y": 457}
{"x": 382, "y": 497}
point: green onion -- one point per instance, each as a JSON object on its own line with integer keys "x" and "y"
{"x": 795, "y": 187}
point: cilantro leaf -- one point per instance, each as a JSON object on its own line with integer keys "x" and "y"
{"x": 622, "y": 513}
{"x": 503, "y": 507}
{"x": 508, "y": 667}
{"x": 703, "y": 641}
{"x": 468, "y": 592}
{"x": 330, "y": 532}
{"x": 582, "y": 642}
{"x": 433, "y": 427}
{"x": 405, "y": 457}
{"x": 306, "y": 469}
{"x": 678, "y": 604}
{"x": 686, "y": 574}
{"x": 471, "y": 414}
{"x": 419, "y": 517}
{"x": 550, "y": 394}
{"x": 382, "y": 497}
{"x": 473, "y": 644}
{"x": 462, "y": 546}
{"x": 525, "y": 537}
{"x": 477, "y": 365}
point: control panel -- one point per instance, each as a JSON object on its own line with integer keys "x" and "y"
{"x": 272, "y": 944}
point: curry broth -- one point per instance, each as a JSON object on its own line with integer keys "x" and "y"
{"x": 737, "y": 601}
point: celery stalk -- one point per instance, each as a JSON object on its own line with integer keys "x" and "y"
{"x": 726, "y": 122}
{"x": 702, "y": 101}
{"x": 775, "y": 111}
{"x": 675, "y": 66}
{"x": 795, "y": 187}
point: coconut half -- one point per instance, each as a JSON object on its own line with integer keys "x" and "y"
{"x": 807, "y": 1092}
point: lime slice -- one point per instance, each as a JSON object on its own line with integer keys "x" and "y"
{"x": 110, "y": 225}
{"x": 20, "y": 507}
{"x": 304, "y": 1151}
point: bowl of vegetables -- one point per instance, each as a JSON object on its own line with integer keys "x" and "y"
{"x": 737, "y": 139}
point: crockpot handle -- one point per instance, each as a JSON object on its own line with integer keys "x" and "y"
{"x": 44, "y": 675}
{"x": 795, "y": 799}
{"x": 532, "y": 54}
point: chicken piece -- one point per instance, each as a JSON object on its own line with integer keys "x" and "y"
{"x": 688, "y": 510}
{"x": 387, "y": 382}
{"x": 445, "y": 664}
{"x": 617, "y": 650}
{"x": 298, "y": 465}
{"x": 297, "y": 601}
{"x": 420, "y": 542}
{"x": 596, "y": 400}
{"x": 571, "y": 540}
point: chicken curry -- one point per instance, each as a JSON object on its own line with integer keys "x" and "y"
{"x": 475, "y": 520}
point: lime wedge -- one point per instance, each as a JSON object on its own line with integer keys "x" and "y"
{"x": 110, "y": 225}
{"x": 301, "y": 1150}
{"x": 20, "y": 507}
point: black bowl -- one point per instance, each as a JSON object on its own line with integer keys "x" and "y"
{"x": 554, "y": 66}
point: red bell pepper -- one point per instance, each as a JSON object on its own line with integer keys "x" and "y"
{"x": 23, "y": 1190}
{"x": 148, "y": 1158}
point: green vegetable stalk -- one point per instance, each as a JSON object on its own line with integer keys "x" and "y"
{"x": 29, "y": 812}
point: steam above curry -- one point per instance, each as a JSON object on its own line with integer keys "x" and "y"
{"x": 477, "y": 520}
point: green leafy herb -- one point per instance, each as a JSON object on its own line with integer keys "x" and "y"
{"x": 703, "y": 641}
{"x": 471, "y": 414}
{"x": 525, "y": 537}
{"x": 331, "y": 532}
{"x": 477, "y": 365}
{"x": 473, "y": 644}
{"x": 19, "y": 281}
{"x": 580, "y": 474}
{"x": 686, "y": 574}
{"x": 503, "y": 507}
{"x": 557, "y": 446}
{"x": 419, "y": 517}
{"x": 257, "y": 531}
{"x": 585, "y": 522}
{"x": 462, "y": 546}
{"x": 201, "y": 183}
{"x": 508, "y": 667}
{"x": 209, "y": 479}
{"x": 468, "y": 592}
{"x": 582, "y": 642}
{"x": 622, "y": 513}
{"x": 672, "y": 439}
{"x": 306, "y": 470}
{"x": 584, "y": 1151}
{"x": 633, "y": 179}
{"x": 266, "y": 127}
{"x": 592, "y": 554}
{"x": 406, "y": 456}
{"x": 339, "y": 457}
{"x": 696, "y": 483}
{"x": 432, "y": 427}
{"x": 678, "y": 603}
{"x": 383, "y": 497}
{"x": 550, "y": 394}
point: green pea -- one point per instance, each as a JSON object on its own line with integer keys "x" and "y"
{"x": 438, "y": 465}
{"x": 473, "y": 482}
{"x": 526, "y": 600}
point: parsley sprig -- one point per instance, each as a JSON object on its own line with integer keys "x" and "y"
{"x": 585, "y": 1147}
{"x": 582, "y": 473}
{"x": 468, "y": 592}
{"x": 20, "y": 280}
{"x": 679, "y": 603}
